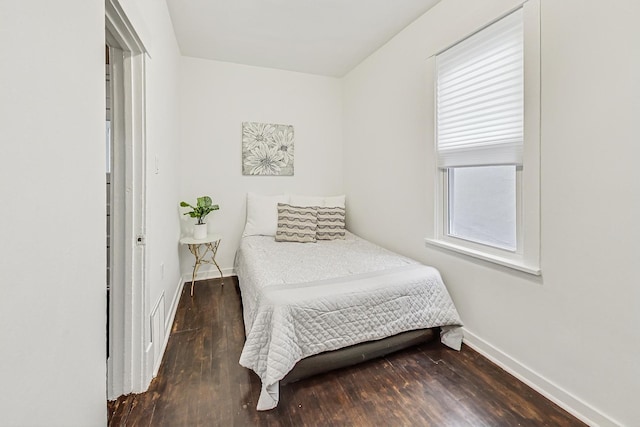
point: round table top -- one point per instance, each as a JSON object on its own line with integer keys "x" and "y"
{"x": 189, "y": 240}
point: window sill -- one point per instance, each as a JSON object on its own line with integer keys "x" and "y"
{"x": 505, "y": 262}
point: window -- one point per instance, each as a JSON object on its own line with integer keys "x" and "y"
{"x": 487, "y": 142}
{"x": 482, "y": 205}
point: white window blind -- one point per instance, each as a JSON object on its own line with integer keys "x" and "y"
{"x": 480, "y": 97}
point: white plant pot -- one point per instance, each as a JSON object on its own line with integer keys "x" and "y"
{"x": 199, "y": 231}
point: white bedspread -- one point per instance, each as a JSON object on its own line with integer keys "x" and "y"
{"x": 304, "y": 299}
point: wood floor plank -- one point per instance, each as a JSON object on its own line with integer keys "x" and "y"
{"x": 200, "y": 383}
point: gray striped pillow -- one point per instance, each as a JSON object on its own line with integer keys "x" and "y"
{"x": 296, "y": 223}
{"x": 330, "y": 223}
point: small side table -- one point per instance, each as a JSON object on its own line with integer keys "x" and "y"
{"x": 200, "y": 248}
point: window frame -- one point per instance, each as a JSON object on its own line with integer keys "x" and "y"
{"x": 526, "y": 257}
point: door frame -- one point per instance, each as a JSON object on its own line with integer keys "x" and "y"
{"x": 126, "y": 367}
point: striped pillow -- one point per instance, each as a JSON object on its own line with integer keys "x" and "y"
{"x": 296, "y": 223}
{"x": 330, "y": 223}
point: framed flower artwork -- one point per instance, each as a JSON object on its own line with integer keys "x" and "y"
{"x": 267, "y": 149}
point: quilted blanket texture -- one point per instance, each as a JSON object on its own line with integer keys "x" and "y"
{"x": 299, "y": 300}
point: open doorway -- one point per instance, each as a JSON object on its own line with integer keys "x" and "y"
{"x": 127, "y": 296}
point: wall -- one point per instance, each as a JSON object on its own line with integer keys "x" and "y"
{"x": 571, "y": 333}
{"x": 163, "y": 159}
{"x": 216, "y": 98}
{"x": 52, "y": 244}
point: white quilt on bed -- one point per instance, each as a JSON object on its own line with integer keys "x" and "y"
{"x": 303, "y": 299}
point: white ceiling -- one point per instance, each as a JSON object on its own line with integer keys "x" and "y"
{"x": 327, "y": 37}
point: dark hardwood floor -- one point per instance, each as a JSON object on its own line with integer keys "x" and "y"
{"x": 200, "y": 383}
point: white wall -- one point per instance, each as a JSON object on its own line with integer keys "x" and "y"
{"x": 216, "y": 98}
{"x": 573, "y": 333}
{"x": 52, "y": 228}
{"x": 163, "y": 155}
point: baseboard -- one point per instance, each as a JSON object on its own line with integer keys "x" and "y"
{"x": 168, "y": 324}
{"x": 561, "y": 397}
{"x": 211, "y": 273}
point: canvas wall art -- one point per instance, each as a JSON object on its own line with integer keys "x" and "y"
{"x": 267, "y": 149}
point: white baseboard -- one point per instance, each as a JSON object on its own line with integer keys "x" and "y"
{"x": 561, "y": 397}
{"x": 211, "y": 273}
{"x": 168, "y": 324}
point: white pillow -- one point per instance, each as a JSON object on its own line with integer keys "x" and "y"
{"x": 305, "y": 201}
{"x": 320, "y": 201}
{"x": 334, "y": 201}
{"x": 262, "y": 214}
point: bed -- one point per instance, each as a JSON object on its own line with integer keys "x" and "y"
{"x": 323, "y": 300}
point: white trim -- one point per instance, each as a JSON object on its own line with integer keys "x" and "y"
{"x": 174, "y": 306}
{"x": 211, "y": 273}
{"x": 132, "y": 373}
{"x": 561, "y": 397}
{"x": 485, "y": 256}
{"x": 168, "y": 325}
{"x": 137, "y": 208}
{"x": 157, "y": 321}
{"x": 120, "y": 28}
{"x": 530, "y": 186}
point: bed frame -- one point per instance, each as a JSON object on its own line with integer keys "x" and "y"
{"x": 358, "y": 353}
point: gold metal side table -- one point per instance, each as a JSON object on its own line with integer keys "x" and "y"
{"x": 201, "y": 248}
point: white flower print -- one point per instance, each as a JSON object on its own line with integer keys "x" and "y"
{"x": 283, "y": 141}
{"x": 257, "y": 134}
{"x": 264, "y": 160}
{"x": 267, "y": 149}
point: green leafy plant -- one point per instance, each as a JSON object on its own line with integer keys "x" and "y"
{"x": 202, "y": 208}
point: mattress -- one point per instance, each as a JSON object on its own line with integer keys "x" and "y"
{"x": 357, "y": 353}
{"x": 303, "y": 299}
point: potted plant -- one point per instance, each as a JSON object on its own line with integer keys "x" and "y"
{"x": 202, "y": 208}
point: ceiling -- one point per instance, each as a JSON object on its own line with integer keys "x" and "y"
{"x": 326, "y": 37}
